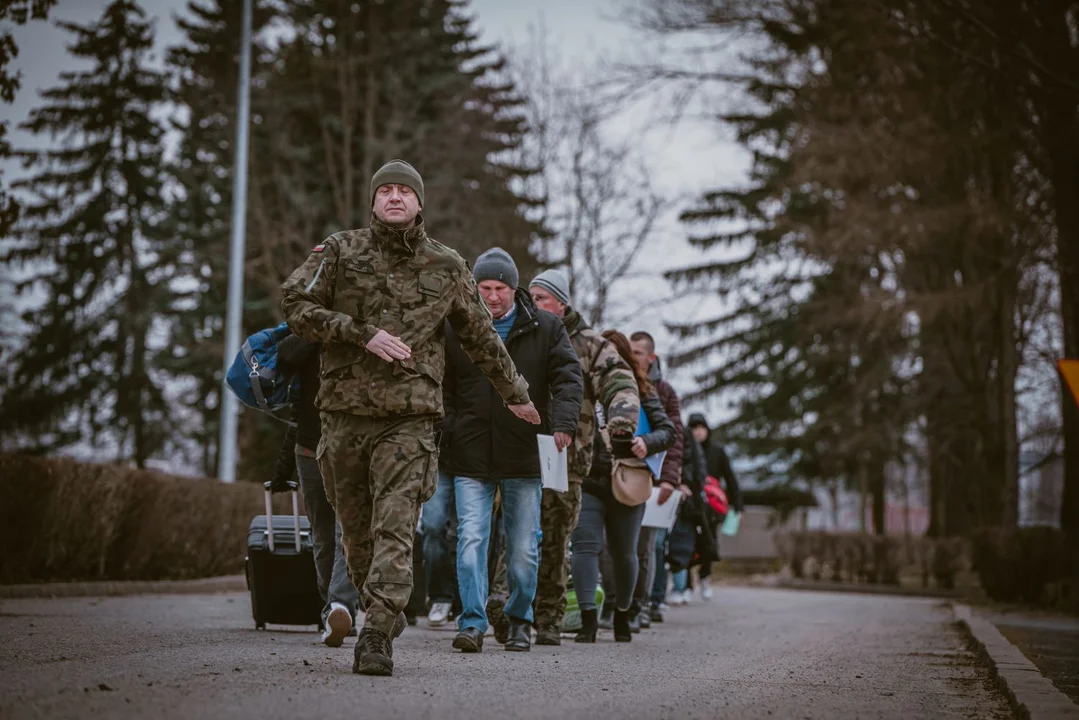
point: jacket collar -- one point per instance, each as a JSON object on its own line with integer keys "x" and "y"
{"x": 574, "y": 322}
{"x": 406, "y": 241}
{"x": 527, "y": 314}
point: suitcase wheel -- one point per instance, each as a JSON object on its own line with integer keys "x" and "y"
{"x": 260, "y": 626}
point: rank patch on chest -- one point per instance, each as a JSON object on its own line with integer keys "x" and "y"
{"x": 432, "y": 287}
{"x": 362, "y": 266}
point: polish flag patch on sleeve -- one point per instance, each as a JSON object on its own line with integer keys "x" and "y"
{"x": 319, "y": 248}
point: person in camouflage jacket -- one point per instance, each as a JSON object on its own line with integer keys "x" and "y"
{"x": 608, "y": 380}
{"x": 377, "y": 300}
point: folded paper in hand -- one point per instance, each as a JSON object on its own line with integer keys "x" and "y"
{"x": 553, "y": 465}
{"x": 661, "y": 516}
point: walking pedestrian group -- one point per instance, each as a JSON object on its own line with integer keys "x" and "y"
{"x": 423, "y": 386}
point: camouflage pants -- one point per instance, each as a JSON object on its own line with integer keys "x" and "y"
{"x": 377, "y": 473}
{"x": 558, "y": 519}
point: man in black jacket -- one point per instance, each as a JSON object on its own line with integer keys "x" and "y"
{"x": 490, "y": 449}
{"x": 296, "y": 356}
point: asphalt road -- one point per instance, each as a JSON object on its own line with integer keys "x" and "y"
{"x": 750, "y": 653}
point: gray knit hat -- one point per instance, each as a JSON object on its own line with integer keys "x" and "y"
{"x": 496, "y": 264}
{"x": 555, "y": 282}
{"x": 398, "y": 172}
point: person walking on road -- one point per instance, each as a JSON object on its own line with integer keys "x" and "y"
{"x": 377, "y": 299}
{"x": 608, "y": 380}
{"x": 298, "y": 357}
{"x": 644, "y": 350}
{"x": 602, "y": 514}
{"x": 491, "y": 450}
{"x": 719, "y": 467}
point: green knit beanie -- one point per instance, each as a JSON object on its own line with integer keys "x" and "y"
{"x": 398, "y": 172}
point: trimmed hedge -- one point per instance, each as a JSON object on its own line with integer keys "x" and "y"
{"x": 875, "y": 559}
{"x": 1025, "y": 565}
{"x": 62, "y": 520}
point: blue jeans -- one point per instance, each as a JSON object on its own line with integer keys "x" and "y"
{"x": 521, "y": 517}
{"x": 659, "y": 585}
{"x": 439, "y": 528}
{"x": 331, "y": 568}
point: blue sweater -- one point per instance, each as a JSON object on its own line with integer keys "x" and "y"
{"x": 504, "y": 324}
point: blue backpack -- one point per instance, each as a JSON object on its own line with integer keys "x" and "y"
{"x": 254, "y": 376}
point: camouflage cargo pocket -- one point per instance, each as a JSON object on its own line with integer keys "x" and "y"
{"x": 430, "y": 472}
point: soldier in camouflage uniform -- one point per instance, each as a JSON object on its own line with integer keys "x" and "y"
{"x": 609, "y": 380}
{"x": 377, "y": 299}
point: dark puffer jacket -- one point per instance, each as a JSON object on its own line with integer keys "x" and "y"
{"x": 661, "y": 438}
{"x": 481, "y": 438}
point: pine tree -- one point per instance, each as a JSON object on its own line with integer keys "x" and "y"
{"x": 18, "y": 12}
{"x": 89, "y": 236}
{"x": 364, "y": 82}
{"x": 206, "y": 70}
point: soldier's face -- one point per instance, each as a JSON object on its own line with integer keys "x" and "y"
{"x": 498, "y": 296}
{"x": 396, "y": 205}
{"x": 546, "y": 301}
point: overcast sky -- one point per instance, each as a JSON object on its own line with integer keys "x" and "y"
{"x": 685, "y": 159}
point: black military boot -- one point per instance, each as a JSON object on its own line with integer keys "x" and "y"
{"x": 548, "y": 636}
{"x": 520, "y": 637}
{"x": 374, "y": 649}
{"x": 499, "y": 622}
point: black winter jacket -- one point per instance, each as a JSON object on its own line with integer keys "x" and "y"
{"x": 300, "y": 357}
{"x": 661, "y": 438}
{"x": 481, "y": 438}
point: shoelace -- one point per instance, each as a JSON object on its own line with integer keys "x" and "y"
{"x": 377, "y": 643}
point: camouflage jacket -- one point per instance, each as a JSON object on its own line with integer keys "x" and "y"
{"x": 608, "y": 380}
{"x": 360, "y": 281}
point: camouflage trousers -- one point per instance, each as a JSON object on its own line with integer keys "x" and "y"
{"x": 377, "y": 473}
{"x": 558, "y": 519}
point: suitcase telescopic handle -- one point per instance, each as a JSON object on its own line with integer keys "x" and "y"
{"x": 294, "y": 487}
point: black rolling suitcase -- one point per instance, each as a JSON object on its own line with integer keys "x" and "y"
{"x": 280, "y": 569}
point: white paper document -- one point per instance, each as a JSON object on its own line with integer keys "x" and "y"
{"x": 661, "y": 516}
{"x": 553, "y": 464}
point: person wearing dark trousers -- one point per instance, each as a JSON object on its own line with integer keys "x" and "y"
{"x": 298, "y": 357}
{"x": 644, "y": 350}
{"x": 603, "y": 515}
{"x": 718, "y": 466}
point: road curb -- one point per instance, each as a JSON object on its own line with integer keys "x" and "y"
{"x": 227, "y": 583}
{"x": 1031, "y": 695}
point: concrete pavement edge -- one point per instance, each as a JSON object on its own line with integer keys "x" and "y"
{"x": 1031, "y": 695}
{"x": 226, "y": 583}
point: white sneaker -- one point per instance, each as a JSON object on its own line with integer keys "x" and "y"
{"x": 687, "y": 597}
{"x": 706, "y": 589}
{"x": 678, "y": 598}
{"x": 338, "y": 625}
{"x": 440, "y": 611}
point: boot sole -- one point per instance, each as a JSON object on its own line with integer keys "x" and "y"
{"x": 550, "y": 642}
{"x": 518, "y": 648}
{"x": 466, "y": 645}
{"x": 374, "y": 667}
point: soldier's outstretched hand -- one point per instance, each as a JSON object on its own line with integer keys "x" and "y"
{"x": 526, "y": 412}
{"x": 389, "y": 348}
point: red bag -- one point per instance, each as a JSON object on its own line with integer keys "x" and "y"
{"x": 715, "y": 495}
